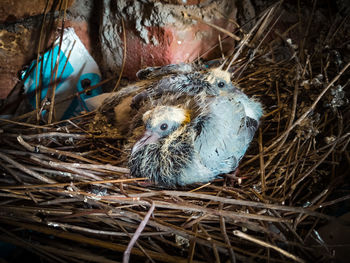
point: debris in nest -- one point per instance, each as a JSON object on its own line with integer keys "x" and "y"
{"x": 181, "y": 241}
{"x": 308, "y": 127}
{"x": 317, "y": 82}
{"x": 101, "y": 125}
{"x": 99, "y": 191}
{"x": 337, "y": 98}
{"x": 330, "y": 139}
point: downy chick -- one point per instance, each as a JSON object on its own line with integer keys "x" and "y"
{"x": 180, "y": 148}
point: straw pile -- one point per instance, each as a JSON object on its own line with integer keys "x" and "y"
{"x": 66, "y": 194}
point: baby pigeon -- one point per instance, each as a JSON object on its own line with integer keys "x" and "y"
{"x": 195, "y": 141}
{"x": 181, "y": 79}
{"x": 198, "y": 125}
{"x": 119, "y": 109}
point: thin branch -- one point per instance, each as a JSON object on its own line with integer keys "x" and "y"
{"x": 142, "y": 225}
{"x": 267, "y": 245}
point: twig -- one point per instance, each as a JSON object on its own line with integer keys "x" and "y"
{"x": 262, "y": 165}
{"x": 75, "y": 183}
{"x": 246, "y": 203}
{"x": 61, "y": 135}
{"x": 142, "y": 225}
{"x": 341, "y": 199}
{"x": 267, "y": 245}
{"x": 136, "y": 242}
{"x": 237, "y": 38}
{"x": 108, "y": 167}
{"x": 52, "y": 101}
{"x": 44, "y": 149}
{"x": 210, "y": 239}
{"x": 23, "y": 124}
{"x": 192, "y": 247}
{"x": 26, "y": 170}
{"x": 10, "y": 171}
{"x": 227, "y": 240}
{"x": 100, "y": 232}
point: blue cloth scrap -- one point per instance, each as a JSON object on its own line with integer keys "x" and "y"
{"x": 68, "y": 83}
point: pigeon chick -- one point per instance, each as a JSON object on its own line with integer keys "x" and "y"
{"x": 166, "y": 148}
{"x": 213, "y": 82}
{"x": 119, "y": 109}
{"x": 185, "y": 145}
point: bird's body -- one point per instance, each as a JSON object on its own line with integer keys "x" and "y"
{"x": 211, "y": 143}
{"x": 122, "y": 109}
{"x": 198, "y": 125}
{"x": 212, "y": 82}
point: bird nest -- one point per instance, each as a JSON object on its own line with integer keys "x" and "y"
{"x": 66, "y": 193}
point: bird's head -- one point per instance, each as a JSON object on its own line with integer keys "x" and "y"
{"x": 160, "y": 122}
{"x": 221, "y": 80}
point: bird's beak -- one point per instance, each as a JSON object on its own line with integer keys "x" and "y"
{"x": 148, "y": 137}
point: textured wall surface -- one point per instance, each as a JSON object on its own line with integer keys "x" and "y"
{"x": 13, "y": 10}
{"x": 157, "y": 32}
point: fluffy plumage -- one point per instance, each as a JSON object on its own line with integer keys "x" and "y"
{"x": 197, "y": 123}
{"x": 210, "y": 81}
{"x": 211, "y": 143}
{"x": 157, "y": 82}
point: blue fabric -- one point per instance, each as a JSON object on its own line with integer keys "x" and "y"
{"x": 78, "y": 105}
{"x": 66, "y": 75}
{"x": 49, "y": 61}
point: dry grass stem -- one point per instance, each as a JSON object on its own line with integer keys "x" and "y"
{"x": 65, "y": 184}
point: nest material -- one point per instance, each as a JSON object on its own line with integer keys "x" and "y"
{"x": 66, "y": 194}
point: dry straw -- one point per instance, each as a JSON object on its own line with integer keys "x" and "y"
{"x": 66, "y": 194}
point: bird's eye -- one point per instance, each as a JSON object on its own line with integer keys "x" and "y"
{"x": 221, "y": 84}
{"x": 164, "y": 126}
